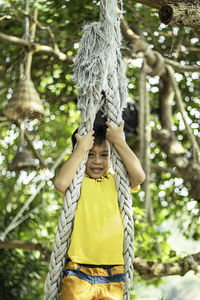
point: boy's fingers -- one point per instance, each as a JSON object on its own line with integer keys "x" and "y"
{"x": 91, "y": 132}
{"x": 77, "y": 135}
{"x": 122, "y": 124}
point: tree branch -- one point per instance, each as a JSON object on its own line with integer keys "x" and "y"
{"x": 34, "y": 47}
{"x": 169, "y": 144}
{"x": 180, "y": 68}
{"x": 137, "y": 45}
{"x": 37, "y": 154}
{"x": 157, "y": 168}
{"x": 179, "y": 101}
{"x": 150, "y": 269}
{"x": 146, "y": 269}
{"x": 13, "y": 18}
{"x": 26, "y": 245}
{"x": 160, "y": 3}
{"x": 153, "y": 3}
{"x": 3, "y": 91}
{"x": 189, "y": 169}
{"x": 13, "y": 39}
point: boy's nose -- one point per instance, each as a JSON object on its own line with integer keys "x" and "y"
{"x": 97, "y": 160}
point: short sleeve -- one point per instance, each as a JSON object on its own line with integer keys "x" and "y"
{"x": 134, "y": 190}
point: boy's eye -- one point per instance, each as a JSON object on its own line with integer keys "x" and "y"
{"x": 90, "y": 154}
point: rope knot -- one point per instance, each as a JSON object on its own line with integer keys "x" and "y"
{"x": 157, "y": 68}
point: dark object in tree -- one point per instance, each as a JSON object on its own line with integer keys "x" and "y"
{"x": 130, "y": 117}
{"x": 166, "y": 14}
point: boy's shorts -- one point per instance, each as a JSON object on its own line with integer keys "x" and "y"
{"x": 88, "y": 282}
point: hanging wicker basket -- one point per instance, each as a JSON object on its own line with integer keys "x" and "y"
{"x": 25, "y": 102}
{"x": 22, "y": 161}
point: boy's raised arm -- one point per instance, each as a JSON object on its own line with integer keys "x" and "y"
{"x": 135, "y": 172}
{"x": 66, "y": 173}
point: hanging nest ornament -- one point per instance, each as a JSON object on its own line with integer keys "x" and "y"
{"x": 25, "y": 102}
{"x": 22, "y": 161}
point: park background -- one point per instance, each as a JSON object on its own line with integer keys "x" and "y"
{"x": 166, "y": 208}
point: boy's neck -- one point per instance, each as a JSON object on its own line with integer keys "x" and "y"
{"x": 96, "y": 178}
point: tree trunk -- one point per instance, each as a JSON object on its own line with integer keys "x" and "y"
{"x": 181, "y": 13}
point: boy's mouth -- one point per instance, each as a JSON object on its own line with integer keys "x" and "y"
{"x": 96, "y": 170}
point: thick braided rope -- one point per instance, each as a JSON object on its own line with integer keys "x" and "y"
{"x": 62, "y": 238}
{"x": 98, "y": 67}
{"x": 124, "y": 197}
{"x": 88, "y": 73}
{"x": 116, "y": 94}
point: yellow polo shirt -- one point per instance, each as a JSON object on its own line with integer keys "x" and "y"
{"x": 97, "y": 236}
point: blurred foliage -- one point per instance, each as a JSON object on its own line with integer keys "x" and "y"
{"x": 26, "y": 270}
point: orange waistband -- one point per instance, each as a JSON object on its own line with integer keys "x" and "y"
{"x": 95, "y": 270}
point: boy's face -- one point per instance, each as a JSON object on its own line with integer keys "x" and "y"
{"x": 98, "y": 162}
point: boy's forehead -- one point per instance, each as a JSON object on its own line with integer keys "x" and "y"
{"x": 104, "y": 146}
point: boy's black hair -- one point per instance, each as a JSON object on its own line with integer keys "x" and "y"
{"x": 99, "y": 134}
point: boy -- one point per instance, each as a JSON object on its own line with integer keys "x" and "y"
{"x": 95, "y": 256}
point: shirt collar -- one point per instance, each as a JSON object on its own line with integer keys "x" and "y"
{"x": 100, "y": 178}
